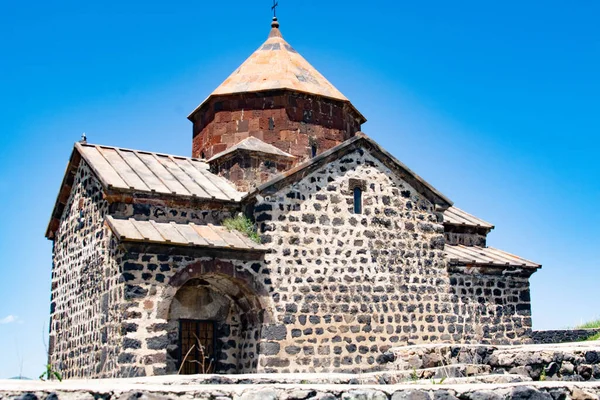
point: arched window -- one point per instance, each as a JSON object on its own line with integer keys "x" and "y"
{"x": 357, "y": 200}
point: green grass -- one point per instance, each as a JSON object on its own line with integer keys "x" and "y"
{"x": 242, "y": 224}
{"x": 590, "y": 325}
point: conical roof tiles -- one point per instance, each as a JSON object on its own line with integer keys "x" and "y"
{"x": 276, "y": 65}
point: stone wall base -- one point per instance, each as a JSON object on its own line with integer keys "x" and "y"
{"x": 154, "y": 389}
{"x": 563, "y": 335}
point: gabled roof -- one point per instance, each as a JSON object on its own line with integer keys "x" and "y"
{"x": 255, "y": 145}
{"x": 473, "y": 255}
{"x": 133, "y": 171}
{"x": 144, "y": 171}
{"x": 276, "y": 65}
{"x": 360, "y": 140}
{"x": 173, "y": 234}
{"x": 456, "y": 216}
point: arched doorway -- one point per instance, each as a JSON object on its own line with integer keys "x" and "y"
{"x": 214, "y": 322}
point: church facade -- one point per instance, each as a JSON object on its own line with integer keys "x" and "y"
{"x": 353, "y": 252}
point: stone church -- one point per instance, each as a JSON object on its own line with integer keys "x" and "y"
{"x": 353, "y": 253}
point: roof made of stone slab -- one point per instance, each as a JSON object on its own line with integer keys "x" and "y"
{"x": 474, "y": 255}
{"x": 276, "y": 65}
{"x": 255, "y": 145}
{"x": 144, "y": 171}
{"x": 360, "y": 140}
{"x": 174, "y": 234}
{"x": 456, "y": 216}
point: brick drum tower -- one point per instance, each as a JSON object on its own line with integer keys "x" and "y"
{"x": 279, "y": 98}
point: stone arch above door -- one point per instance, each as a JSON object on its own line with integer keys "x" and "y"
{"x": 241, "y": 286}
{"x": 230, "y": 301}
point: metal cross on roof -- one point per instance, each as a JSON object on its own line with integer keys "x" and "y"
{"x": 274, "y": 8}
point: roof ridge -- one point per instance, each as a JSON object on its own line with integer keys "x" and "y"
{"x": 268, "y": 148}
{"x": 79, "y": 144}
{"x": 431, "y": 193}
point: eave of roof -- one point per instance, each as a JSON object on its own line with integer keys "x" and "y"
{"x": 358, "y": 141}
{"x": 456, "y": 216}
{"x": 144, "y": 171}
{"x": 141, "y": 173}
{"x": 178, "y": 234}
{"x": 486, "y": 256}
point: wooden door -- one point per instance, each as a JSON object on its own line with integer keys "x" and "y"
{"x": 197, "y": 346}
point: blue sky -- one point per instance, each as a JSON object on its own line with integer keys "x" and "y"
{"x": 494, "y": 103}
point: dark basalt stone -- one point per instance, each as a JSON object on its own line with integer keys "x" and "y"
{"x": 134, "y": 292}
{"x": 158, "y": 343}
{"x": 292, "y": 350}
{"x": 126, "y": 358}
{"x": 274, "y": 332}
{"x": 129, "y": 343}
{"x": 129, "y": 266}
{"x": 269, "y": 348}
{"x": 128, "y": 327}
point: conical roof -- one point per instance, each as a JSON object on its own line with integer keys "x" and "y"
{"x": 276, "y": 65}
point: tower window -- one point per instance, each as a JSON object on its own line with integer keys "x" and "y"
{"x": 313, "y": 150}
{"x": 357, "y": 200}
{"x": 271, "y": 123}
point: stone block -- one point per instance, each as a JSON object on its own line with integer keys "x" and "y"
{"x": 274, "y": 332}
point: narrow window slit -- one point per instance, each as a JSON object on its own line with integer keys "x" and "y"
{"x": 357, "y": 200}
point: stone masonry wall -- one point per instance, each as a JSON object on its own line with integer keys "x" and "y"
{"x": 489, "y": 308}
{"x": 563, "y": 335}
{"x": 247, "y": 170}
{"x": 465, "y": 235}
{"x": 86, "y": 290}
{"x": 152, "y": 388}
{"x": 150, "y": 322}
{"x": 166, "y": 213}
{"x": 287, "y": 120}
{"x": 336, "y": 291}
{"x": 347, "y": 287}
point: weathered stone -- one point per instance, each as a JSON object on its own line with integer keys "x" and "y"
{"x": 265, "y": 394}
{"x": 364, "y": 395}
{"x": 580, "y": 394}
{"x": 274, "y": 332}
{"x": 444, "y": 395}
{"x": 528, "y": 393}
{"x": 129, "y": 343}
{"x": 410, "y": 394}
{"x": 269, "y": 348}
{"x": 158, "y": 342}
{"x": 482, "y": 395}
